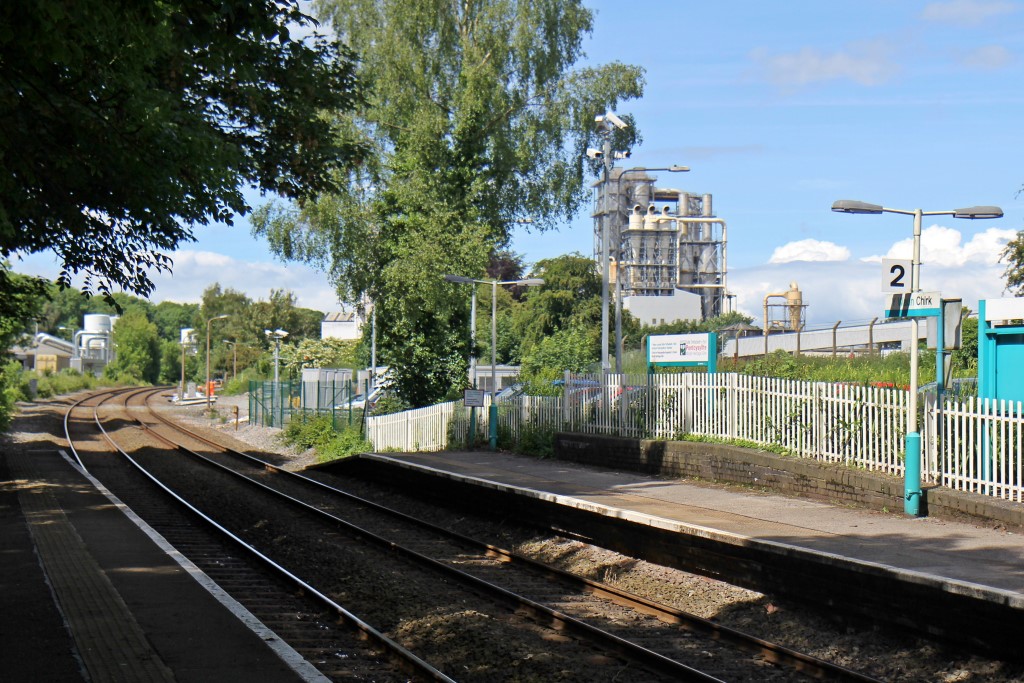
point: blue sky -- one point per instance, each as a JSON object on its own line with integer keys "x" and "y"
{"x": 780, "y": 109}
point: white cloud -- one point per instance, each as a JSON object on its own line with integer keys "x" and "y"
{"x": 865, "y": 63}
{"x": 194, "y": 271}
{"x": 942, "y": 246}
{"x": 988, "y": 58}
{"x": 967, "y": 11}
{"x": 850, "y": 290}
{"x": 809, "y": 250}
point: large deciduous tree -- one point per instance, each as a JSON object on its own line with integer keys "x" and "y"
{"x": 479, "y": 119}
{"x": 126, "y": 123}
{"x": 1013, "y": 256}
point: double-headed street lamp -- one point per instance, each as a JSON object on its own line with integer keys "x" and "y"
{"x": 912, "y": 476}
{"x": 209, "y": 324}
{"x": 276, "y": 336}
{"x": 460, "y": 279}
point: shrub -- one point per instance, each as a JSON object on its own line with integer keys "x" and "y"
{"x": 10, "y": 391}
{"x": 319, "y": 432}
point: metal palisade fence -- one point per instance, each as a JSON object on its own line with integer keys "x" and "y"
{"x": 855, "y": 425}
{"x": 970, "y": 445}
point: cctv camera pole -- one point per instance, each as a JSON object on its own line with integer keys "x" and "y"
{"x": 605, "y": 250}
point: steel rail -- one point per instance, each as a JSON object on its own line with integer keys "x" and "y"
{"x": 419, "y": 666}
{"x": 772, "y": 652}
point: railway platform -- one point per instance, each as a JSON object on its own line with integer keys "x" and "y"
{"x": 89, "y": 593}
{"x": 916, "y": 574}
{"x": 956, "y": 554}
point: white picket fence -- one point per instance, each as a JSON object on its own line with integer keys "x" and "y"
{"x": 980, "y": 447}
{"x": 834, "y": 422}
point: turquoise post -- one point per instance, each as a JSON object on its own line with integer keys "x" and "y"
{"x": 492, "y": 415}
{"x": 912, "y": 476}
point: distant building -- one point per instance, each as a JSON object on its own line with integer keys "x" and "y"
{"x": 659, "y": 310}
{"x": 46, "y": 353}
{"x": 343, "y": 325}
{"x": 667, "y": 248}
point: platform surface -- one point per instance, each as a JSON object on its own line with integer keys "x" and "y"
{"x": 958, "y": 552}
{"x": 88, "y": 594}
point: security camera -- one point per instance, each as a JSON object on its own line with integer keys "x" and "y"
{"x": 612, "y": 119}
{"x": 623, "y": 155}
{"x": 594, "y": 153}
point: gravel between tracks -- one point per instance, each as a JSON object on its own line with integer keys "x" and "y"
{"x": 880, "y": 653}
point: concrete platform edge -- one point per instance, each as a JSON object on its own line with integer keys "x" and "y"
{"x": 952, "y": 586}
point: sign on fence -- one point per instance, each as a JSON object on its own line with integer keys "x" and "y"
{"x": 473, "y": 398}
{"x": 683, "y": 350}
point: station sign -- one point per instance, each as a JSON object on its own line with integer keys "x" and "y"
{"x": 678, "y": 348}
{"x": 473, "y": 398}
{"x": 896, "y": 275}
{"x": 914, "y": 305}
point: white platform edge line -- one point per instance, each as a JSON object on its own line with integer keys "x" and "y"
{"x": 285, "y": 652}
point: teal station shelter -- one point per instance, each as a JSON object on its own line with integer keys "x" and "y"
{"x": 1001, "y": 349}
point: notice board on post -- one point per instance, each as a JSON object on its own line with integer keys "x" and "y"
{"x": 683, "y": 350}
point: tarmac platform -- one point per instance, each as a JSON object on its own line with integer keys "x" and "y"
{"x": 88, "y": 592}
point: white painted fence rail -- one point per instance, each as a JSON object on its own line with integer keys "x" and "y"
{"x": 979, "y": 448}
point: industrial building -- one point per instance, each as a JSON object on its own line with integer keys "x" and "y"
{"x": 667, "y": 248}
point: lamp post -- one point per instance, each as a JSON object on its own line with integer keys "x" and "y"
{"x": 675, "y": 168}
{"x": 276, "y": 335}
{"x": 209, "y": 324}
{"x": 528, "y": 282}
{"x": 234, "y": 357}
{"x": 912, "y": 476}
{"x": 187, "y": 337}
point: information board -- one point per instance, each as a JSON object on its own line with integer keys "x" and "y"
{"x": 683, "y": 349}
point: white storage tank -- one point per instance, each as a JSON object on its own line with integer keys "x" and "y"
{"x": 95, "y": 335}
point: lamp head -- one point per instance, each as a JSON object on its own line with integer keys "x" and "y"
{"x": 979, "y": 212}
{"x": 853, "y": 206}
{"x": 458, "y": 279}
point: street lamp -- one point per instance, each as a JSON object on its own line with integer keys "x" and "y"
{"x": 276, "y": 335}
{"x": 187, "y": 340}
{"x": 528, "y": 282}
{"x": 209, "y": 324}
{"x": 234, "y": 357}
{"x": 675, "y": 168}
{"x": 912, "y": 477}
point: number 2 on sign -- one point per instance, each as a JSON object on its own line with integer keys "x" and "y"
{"x": 895, "y": 273}
{"x": 899, "y": 271}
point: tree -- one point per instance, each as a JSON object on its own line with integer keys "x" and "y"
{"x": 137, "y": 349}
{"x": 171, "y": 318}
{"x": 570, "y": 298}
{"x": 478, "y": 121}
{"x": 125, "y": 123}
{"x": 1013, "y": 256}
{"x": 22, "y": 303}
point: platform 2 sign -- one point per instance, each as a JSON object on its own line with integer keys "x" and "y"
{"x": 683, "y": 350}
{"x": 914, "y": 305}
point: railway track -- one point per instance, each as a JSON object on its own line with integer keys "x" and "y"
{"x": 336, "y": 643}
{"x": 622, "y": 636}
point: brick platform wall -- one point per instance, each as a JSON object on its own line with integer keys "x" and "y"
{"x": 782, "y": 474}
